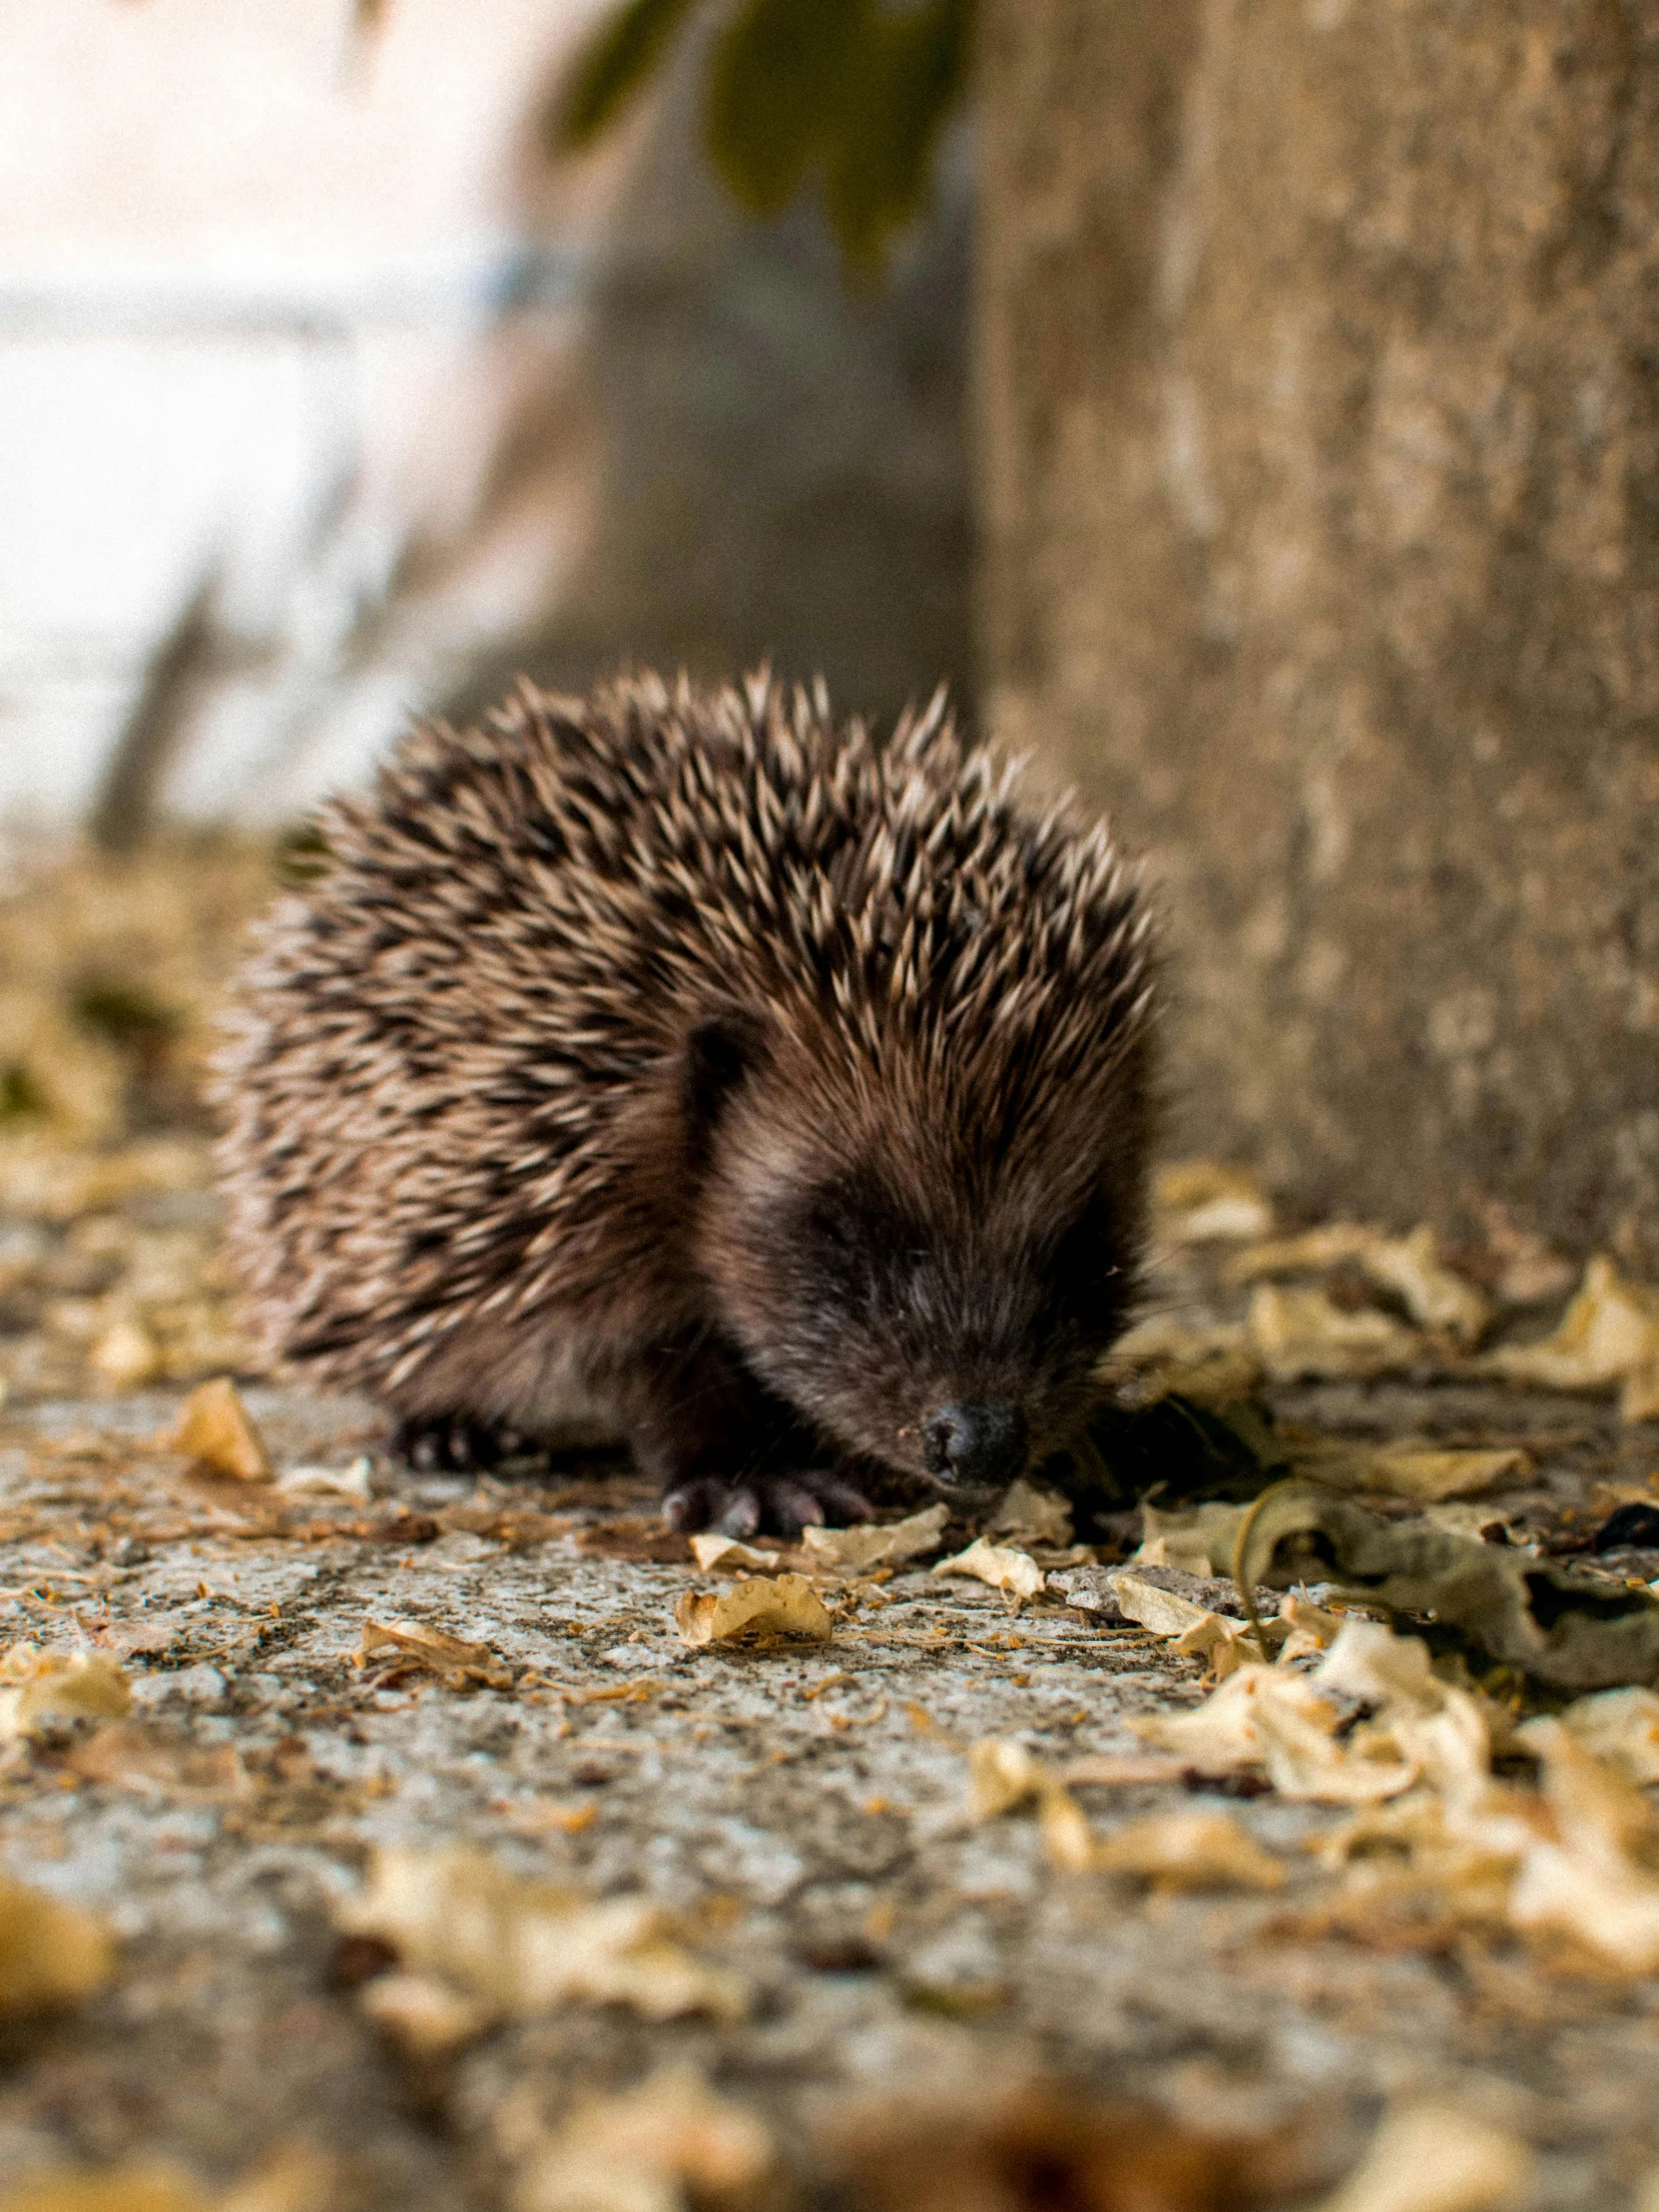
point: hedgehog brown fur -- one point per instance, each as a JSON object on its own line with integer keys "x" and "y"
{"x": 782, "y": 1093}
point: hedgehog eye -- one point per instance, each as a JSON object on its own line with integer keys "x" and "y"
{"x": 832, "y": 1231}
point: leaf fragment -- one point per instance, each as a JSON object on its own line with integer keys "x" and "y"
{"x": 1189, "y": 1851}
{"x": 784, "y": 1605}
{"x": 1001, "y": 1566}
{"x": 521, "y": 1948}
{"x": 1608, "y": 1334}
{"x": 656, "y": 2148}
{"x": 719, "y": 1554}
{"x": 216, "y": 1429}
{"x": 38, "y": 1687}
{"x": 1433, "y": 2157}
{"x": 451, "y": 1658}
{"x": 876, "y": 1545}
{"x": 51, "y": 1955}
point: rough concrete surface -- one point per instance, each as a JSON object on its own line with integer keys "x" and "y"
{"x": 800, "y": 1810}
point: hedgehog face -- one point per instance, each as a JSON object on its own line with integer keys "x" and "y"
{"x": 923, "y": 1306}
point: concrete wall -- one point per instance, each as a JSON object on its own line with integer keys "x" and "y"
{"x": 1319, "y": 399}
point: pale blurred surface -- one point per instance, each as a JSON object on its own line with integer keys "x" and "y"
{"x": 313, "y": 365}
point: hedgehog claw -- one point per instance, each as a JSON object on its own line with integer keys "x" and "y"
{"x": 766, "y": 1504}
{"x": 453, "y": 1443}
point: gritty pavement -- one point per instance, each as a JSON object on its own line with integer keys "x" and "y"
{"x": 799, "y": 1809}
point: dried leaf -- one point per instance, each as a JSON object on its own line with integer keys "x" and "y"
{"x": 856, "y": 1550}
{"x": 1002, "y": 1774}
{"x": 1433, "y": 1293}
{"x": 1198, "y": 1540}
{"x": 784, "y": 1605}
{"x": 1189, "y": 1851}
{"x": 1597, "y": 1878}
{"x": 451, "y": 1658}
{"x": 1429, "y": 1475}
{"x": 525, "y": 1947}
{"x": 38, "y": 1687}
{"x": 1435, "y": 2158}
{"x": 1030, "y": 1515}
{"x": 427, "y": 2017}
{"x": 216, "y": 1429}
{"x": 1567, "y": 1629}
{"x": 350, "y": 1482}
{"x": 1300, "y": 1336}
{"x": 668, "y": 2143}
{"x": 1609, "y": 1334}
{"x": 144, "y": 2188}
{"x": 1205, "y": 1202}
{"x": 718, "y": 1554}
{"x": 1618, "y": 1725}
{"x": 1003, "y": 1567}
{"x": 51, "y": 1955}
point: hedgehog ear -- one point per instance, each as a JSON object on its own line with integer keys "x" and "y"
{"x": 719, "y": 1052}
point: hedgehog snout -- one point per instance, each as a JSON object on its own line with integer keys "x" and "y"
{"x": 978, "y": 1445}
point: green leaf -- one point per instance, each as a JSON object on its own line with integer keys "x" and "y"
{"x": 910, "y": 69}
{"x": 777, "y": 84}
{"x": 613, "y": 67}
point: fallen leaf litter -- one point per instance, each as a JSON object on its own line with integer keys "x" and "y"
{"x": 334, "y": 1797}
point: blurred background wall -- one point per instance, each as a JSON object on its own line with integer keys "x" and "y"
{"x": 326, "y": 397}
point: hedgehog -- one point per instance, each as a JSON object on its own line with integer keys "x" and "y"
{"x": 781, "y": 1094}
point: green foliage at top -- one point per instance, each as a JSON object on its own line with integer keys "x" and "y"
{"x": 847, "y": 94}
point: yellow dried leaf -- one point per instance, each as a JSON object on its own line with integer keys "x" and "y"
{"x": 1163, "y": 1611}
{"x": 37, "y": 1687}
{"x": 1198, "y": 1540}
{"x": 1002, "y": 1774}
{"x": 525, "y": 1947}
{"x": 1001, "y": 1566}
{"x": 452, "y": 1657}
{"x": 216, "y": 1429}
{"x": 51, "y": 1955}
{"x": 784, "y": 1605}
{"x": 1064, "y": 1828}
{"x": 1430, "y": 1475}
{"x": 1207, "y": 1202}
{"x": 1189, "y": 1851}
{"x": 1334, "y": 1244}
{"x": 1435, "y": 2158}
{"x": 1609, "y": 1334}
{"x": 856, "y": 1550}
{"x": 656, "y": 2148}
{"x": 425, "y": 2015}
{"x": 718, "y": 1554}
{"x": 1433, "y": 1295}
{"x": 125, "y": 1357}
{"x": 1597, "y": 1879}
{"x": 1032, "y": 1515}
{"x": 144, "y": 2188}
{"x": 1299, "y": 1334}
{"x": 1619, "y": 1726}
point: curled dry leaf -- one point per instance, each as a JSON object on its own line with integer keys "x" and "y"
{"x": 350, "y": 1482}
{"x": 427, "y": 2017}
{"x": 1429, "y": 1475}
{"x": 1300, "y": 1336}
{"x": 784, "y": 1605}
{"x": 1435, "y": 2158}
{"x": 668, "y": 2143}
{"x": 146, "y": 2188}
{"x": 1609, "y": 1334}
{"x": 1032, "y": 1515}
{"x": 525, "y": 1947}
{"x": 1618, "y": 1725}
{"x": 452, "y": 1658}
{"x": 1596, "y": 1879}
{"x": 1189, "y": 1851}
{"x": 1002, "y": 1774}
{"x": 1001, "y": 1566}
{"x": 51, "y": 1955}
{"x": 1199, "y": 1539}
{"x": 1022, "y": 2146}
{"x": 38, "y": 1687}
{"x": 718, "y": 1554}
{"x": 1568, "y": 1629}
{"x": 1207, "y": 1202}
{"x": 1436, "y": 1296}
{"x": 215, "y": 1430}
{"x": 856, "y": 1550}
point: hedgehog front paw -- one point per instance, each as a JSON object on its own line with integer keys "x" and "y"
{"x": 766, "y": 1504}
{"x": 454, "y": 1444}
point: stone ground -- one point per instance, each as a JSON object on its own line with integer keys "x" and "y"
{"x": 797, "y": 1813}
{"x": 801, "y": 1810}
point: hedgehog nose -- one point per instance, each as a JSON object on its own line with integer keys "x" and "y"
{"x": 977, "y": 1445}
